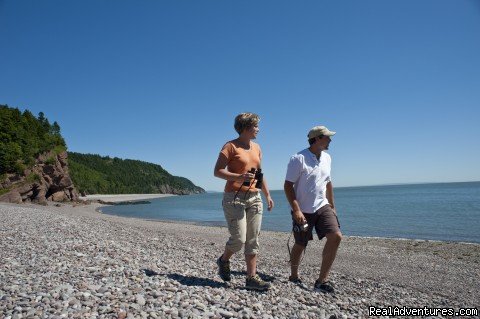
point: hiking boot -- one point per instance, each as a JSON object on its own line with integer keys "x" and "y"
{"x": 256, "y": 283}
{"x": 325, "y": 287}
{"x": 223, "y": 269}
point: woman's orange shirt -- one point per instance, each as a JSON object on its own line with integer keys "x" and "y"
{"x": 241, "y": 161}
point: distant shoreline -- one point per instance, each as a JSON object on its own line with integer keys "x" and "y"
{"x": 149, "y": 196}
{"x": 118, "y": 198}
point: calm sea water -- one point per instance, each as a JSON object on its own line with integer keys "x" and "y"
{"x": 449, "y": 212}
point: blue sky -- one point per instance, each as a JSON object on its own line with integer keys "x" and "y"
{"x": 161, "y": 81}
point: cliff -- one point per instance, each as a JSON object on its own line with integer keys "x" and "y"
{"x": 47, "y": 180}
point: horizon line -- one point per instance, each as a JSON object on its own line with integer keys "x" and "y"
{"x": 377, "y": 185}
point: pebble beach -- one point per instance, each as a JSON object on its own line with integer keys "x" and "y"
{"x": 72, "y": 261}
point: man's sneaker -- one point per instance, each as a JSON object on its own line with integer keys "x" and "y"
{"x": 295, "y": 280}
{"x": 324, "y": 287}
{"x": 298, "y": 282}
{"x": 223, "y": 269}
{"x": 256, "y": 283}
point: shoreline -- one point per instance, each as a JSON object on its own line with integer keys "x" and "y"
{"x": 73, "y": 260}
{"x": 217, "y": 224}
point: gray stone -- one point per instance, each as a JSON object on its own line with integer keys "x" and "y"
{"x": 140, "y": 300}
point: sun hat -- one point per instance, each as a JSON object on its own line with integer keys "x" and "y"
{"x": 320, "y": 130}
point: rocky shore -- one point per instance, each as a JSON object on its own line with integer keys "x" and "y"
{"x": 72, "y": 261}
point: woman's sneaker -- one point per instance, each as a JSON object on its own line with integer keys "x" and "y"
{"x": 224, "y": 269}
{"x": 256, "y": 283}
{"x": 325, "y": 287}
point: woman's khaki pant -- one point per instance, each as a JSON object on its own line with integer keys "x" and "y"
{"x": 243, "y": 214}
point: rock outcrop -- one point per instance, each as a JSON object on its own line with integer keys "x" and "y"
{"x": 167, "y": 189}
{"x": 48, "y": 180}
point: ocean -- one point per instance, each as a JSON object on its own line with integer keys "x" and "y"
{"x": 444, "y": 211}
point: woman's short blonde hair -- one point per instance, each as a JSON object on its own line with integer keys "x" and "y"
{"x": 245, "y": 121}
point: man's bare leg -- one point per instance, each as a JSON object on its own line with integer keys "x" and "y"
{"x": 329, "y": 254}
{"x": 296, "y": 253}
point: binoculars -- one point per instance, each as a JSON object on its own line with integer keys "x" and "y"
{"x": 258, "y": 177}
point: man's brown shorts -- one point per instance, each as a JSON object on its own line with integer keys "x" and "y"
{"x": 324, "y": 221}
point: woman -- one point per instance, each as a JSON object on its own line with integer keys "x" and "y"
{"x": 242, "y": 203}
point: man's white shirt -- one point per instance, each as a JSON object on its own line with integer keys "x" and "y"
{"x": 310, "y": 178}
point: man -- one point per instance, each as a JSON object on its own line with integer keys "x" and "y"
{"x": 309, "y": 191}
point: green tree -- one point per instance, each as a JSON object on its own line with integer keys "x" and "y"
{"x": 10, "y": 153}
{"x": 23, "y": 137}
{"x": 55, "y": 129}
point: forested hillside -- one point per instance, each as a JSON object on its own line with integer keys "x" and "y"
{"x": 94, "y": 174}
{"x": 23, "y": 137}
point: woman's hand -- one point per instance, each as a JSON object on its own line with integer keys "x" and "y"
{"x": 246, "y": 177}
{"x": 270, "y": 203}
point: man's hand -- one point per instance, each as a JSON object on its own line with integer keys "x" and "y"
{"x": 299, "y": 218}
{"x": 334, "y": 210}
